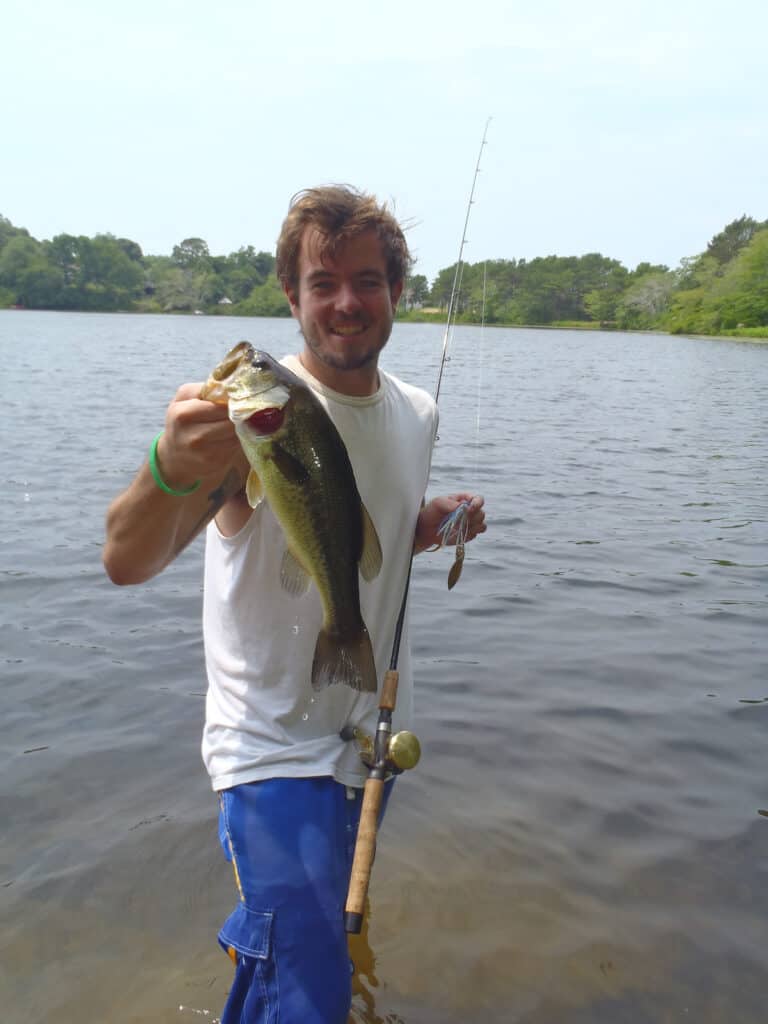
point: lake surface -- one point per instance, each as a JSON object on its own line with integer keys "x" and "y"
{"x": 583, "y": 840}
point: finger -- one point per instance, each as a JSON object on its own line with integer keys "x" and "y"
{"x": 197, "y": 410}
{"x": 477, "y": 525}
{"x": 222, "y": 434}
{"x": 190, "y": 393}
{"x": 187, "y": 433}
{"x": 190, "y": 390}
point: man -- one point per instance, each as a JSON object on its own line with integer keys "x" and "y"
{"x": 289, "y": 787}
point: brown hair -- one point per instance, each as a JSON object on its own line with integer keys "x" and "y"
{"x": 339, "y": 212}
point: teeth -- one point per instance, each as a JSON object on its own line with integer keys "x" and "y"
{"x": 347, "y": 331}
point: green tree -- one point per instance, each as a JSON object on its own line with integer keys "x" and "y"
{"x": 600, "y": 282}
{"x": 100, "y": 273}
{"x": 191, "y": 253}
{"x": 240, "y": 272}
{"x": 8, "y": 231}
{"x": 416, "y": 291}
{"x": 695, "y": 277}
{"x": 646, "y": 299}
{"x": 647, "y": 268}
{"x": 601, "y": 305}
{"x": 27, "y": 276}
{"x": 131, "y": 249}
{"x": 17, "y": 255}
{"x": 731, "y": 240}
{"x": 184, "y": 290}
{"x": 740, "y": 297}
{"x": 442, "y": 286}
{"x": 267, "y": 299}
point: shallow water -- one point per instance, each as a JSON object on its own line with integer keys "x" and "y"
{"x": 582, "y": 841}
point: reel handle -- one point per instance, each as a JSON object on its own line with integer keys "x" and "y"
{"x": 365, "y": 844}
{"x": 365, "y": 850}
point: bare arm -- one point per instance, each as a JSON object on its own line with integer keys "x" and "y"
{"x": 147, "y": 528}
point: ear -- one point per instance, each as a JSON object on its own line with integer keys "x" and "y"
{"x": 395, "y": 291}
{"x": 293, "y": 298}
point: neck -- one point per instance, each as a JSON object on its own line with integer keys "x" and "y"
{"x": 359, "y": 383}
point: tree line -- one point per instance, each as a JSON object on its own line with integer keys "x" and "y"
{"x": 106, "y": 274}
{"x": 723, "y": 289}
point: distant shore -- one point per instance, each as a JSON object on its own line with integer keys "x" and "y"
{"x": 744, "y": 334}
{"x": 756, "y": 334}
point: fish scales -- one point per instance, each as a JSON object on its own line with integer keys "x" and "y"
{"x": 306, "y": 505}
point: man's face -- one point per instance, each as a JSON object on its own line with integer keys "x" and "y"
{"x": 345, "y": 304}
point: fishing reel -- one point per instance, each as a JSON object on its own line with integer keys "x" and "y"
{"x": 402, "y": 751}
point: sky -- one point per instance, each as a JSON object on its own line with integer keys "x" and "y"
{"x": 637, "y": 130}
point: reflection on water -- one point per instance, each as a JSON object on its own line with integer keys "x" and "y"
{"x": 365, "y": 981}
{"x": 584, "y": 838}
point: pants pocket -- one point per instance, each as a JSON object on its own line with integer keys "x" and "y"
{"x": 290, "y": 967}
{"x": 248, "y": 932}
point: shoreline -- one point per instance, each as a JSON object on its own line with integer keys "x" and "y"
{"x": 436, "y": 321}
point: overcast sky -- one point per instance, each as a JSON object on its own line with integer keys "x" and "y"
{"x": 634, "y": 129}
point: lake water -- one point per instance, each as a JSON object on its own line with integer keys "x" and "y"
{"x": 585, "y": 840}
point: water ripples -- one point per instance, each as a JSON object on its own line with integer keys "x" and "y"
{"x": 584, "y": 838}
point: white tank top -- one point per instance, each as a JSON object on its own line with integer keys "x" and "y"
{"x": 263, "y": 719}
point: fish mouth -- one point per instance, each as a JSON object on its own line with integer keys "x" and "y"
{"x": 272, "y": 396}
{"x": 232, "y": 362}
{"x": 264, "y": 422}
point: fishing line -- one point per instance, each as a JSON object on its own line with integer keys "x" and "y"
{"x": 480, "y": 365}
{"x": 449, "y": 325}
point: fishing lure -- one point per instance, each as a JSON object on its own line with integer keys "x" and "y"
{"x": 454, "y": 528}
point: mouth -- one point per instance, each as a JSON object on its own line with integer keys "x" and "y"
{"x": 348, "y": 330}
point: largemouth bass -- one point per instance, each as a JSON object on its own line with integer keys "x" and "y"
{"x": 300, "y": 465}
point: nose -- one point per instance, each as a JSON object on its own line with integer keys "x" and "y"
{"x": 347, "y": 299}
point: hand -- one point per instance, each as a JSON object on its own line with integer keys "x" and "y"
{"x": 199, "y": 440}
{"x": 435, "y": 511}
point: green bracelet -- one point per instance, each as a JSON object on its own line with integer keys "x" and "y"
{"x": 155, "y": 471}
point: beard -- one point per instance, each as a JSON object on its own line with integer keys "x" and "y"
{"x": 351, "y": 357}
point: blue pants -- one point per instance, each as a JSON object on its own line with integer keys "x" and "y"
{"x": 291, "y": 843}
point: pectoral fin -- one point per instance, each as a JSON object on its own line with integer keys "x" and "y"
{"x": 370, "y": 559}
{"x": 254, "y": 492}
{"x": 293, "y": 576}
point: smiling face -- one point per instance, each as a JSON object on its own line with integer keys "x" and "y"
{"x": 345, "y": 306}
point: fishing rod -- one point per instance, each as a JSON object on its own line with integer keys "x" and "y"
{"x": 459, "y": 272}
{"x": 386, "y": 754}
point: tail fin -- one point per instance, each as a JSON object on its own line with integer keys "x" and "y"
{"x": 344, "y": 658}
